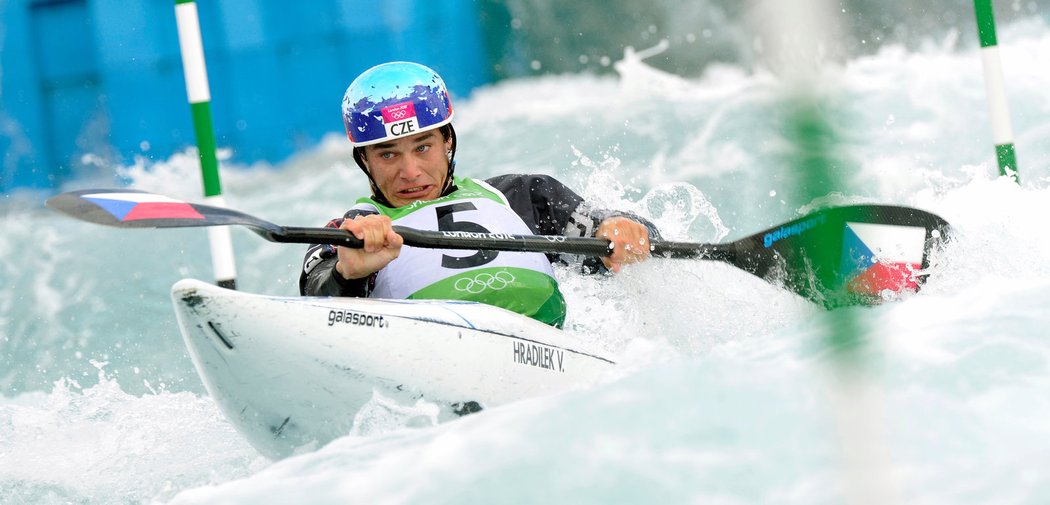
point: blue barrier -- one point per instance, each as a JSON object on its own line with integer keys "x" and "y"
{"x": 105, "y": 76}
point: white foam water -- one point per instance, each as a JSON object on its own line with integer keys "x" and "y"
{"x": 729, "y": 391}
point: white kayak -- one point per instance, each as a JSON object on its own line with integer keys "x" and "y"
{"x": 291, "y": 372}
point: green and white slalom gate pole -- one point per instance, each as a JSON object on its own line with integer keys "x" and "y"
{"x": 995, "y": 84}
{"x": 795, "y": 34}
{"x": 200, "y": 105}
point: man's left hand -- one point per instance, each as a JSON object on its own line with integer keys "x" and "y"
{"x": 630, "y": 241}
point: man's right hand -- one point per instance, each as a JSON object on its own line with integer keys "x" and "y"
{"x": 381, "y": 246}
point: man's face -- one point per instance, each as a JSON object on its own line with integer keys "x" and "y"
{"x": 411, "y": 168}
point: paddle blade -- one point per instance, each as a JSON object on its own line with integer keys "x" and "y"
{"x": 128, "y": 208}
{"x": 846, "y": 255}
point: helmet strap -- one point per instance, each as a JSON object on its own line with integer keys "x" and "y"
{"x": 359, "y": 158}
{"x": 449, "y": 186}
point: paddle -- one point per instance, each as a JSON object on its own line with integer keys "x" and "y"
{"x": 834, "y": 256}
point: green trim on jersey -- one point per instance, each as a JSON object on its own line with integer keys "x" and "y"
{"x": 466, "y": 188}
{"x": 536, "y": 294}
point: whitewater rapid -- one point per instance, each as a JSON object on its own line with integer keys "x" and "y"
{"x": 727, "y": 393}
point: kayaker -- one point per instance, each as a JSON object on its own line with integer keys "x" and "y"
{"x": 398, "y": 118}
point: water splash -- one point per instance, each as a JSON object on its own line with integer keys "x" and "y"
{"x": 101, "y": 445}
{"x": 722, "y": 400}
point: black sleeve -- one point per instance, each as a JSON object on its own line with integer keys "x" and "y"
{"x": 319, "y": 277}
{"x": 545, "y": 204}
{"x": 549, "y": 207}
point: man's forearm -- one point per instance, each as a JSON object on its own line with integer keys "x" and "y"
{"x": 324, "y": 280}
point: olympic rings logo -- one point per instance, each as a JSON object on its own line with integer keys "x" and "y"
{"x": 479, "y": 283}
{"x": 398, "y": 114}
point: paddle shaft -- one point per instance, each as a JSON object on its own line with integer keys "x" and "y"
{"x": 497, "y": 242}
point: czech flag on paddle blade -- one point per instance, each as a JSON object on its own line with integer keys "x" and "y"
{"x": 136, "y": 206}
{"x": 876, "y": 257}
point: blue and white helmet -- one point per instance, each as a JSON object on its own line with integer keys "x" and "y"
{"x": 394, "y": 100}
